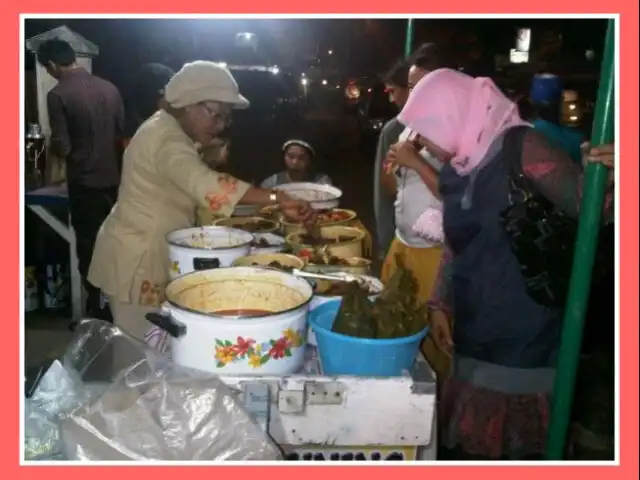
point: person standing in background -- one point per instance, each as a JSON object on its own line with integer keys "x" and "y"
{"x": 546, "y": 100}
{"x": 86, "y": 117}
{"x": 384, "y": 184}
{"x": 416, "y": 172}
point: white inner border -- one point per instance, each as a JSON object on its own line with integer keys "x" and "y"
{"x": 616, "y": 17}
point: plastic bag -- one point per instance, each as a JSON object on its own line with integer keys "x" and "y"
{"x": 58, "y": 393}
{"x": 125, "y": 401}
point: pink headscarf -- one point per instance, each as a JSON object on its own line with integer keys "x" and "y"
{"x": 460, "y": 114}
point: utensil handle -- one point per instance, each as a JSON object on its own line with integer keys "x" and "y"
{"x": 166, "y": 322}
{"x": 319, "y": 276}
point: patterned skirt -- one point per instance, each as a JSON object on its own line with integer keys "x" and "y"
{"x": 481, "y": 422}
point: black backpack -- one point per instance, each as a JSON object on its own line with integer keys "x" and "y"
{"x": 542, "y": 237}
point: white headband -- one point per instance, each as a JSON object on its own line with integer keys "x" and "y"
{"x": 301, "y": 143}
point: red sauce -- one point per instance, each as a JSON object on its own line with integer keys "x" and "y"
{"x": 242, "y": 312}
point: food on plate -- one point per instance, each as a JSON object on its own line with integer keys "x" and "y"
{"x": 334, "y": 215}
{"x": 339, "y": 289}
{"x": 327, "y": 217}
{"x": 255, "y": 226}
{"x": 248, "y": 224}
{"x": 395, "y": 313}
{"x": 307, "y": 239}
{"x": 322, "y": 257}
{"x": 274, "y": 264}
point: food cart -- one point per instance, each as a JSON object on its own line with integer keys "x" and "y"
{"x": 309, "y": 414}
{"x": 312, "y": 416}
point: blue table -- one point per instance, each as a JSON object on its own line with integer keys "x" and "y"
{"x": 39, "y": 201}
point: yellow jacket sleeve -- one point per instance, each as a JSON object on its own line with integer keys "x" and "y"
{"x": 181, "y": 164}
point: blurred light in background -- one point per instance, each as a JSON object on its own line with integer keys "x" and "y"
{"x": 523, "y": 40}
{"x": 247, "y": 40}
{"x": 352, "y": 92}
{"x": 518, "y": 57}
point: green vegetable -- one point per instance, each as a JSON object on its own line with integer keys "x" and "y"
{"x": 396, "y": 313}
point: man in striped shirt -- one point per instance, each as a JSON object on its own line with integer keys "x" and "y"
{"x": 86, "y": 117}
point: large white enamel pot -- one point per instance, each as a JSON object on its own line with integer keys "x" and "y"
{"x": 205, "y": 248}
{"x": 207, "y": 333}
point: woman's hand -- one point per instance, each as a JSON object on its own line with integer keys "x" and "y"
{"x": 296, "y": 210}
{"x": 440, "y": 332}
{"x": 403, "y": 154}
{"x": 604, "y": 154}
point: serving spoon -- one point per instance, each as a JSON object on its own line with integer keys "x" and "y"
{"x": 345, "y": 278}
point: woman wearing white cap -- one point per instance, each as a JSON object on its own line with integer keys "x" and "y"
{"x": 164, "y": 180}
{"x": 299, "y": 158}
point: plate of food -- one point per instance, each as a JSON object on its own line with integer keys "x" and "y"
{"x": 322, "y": 262}
{"x": 246, "y": 210}
{"x": 249, "y": 224}
{"x": 321, "y": 197}
{"x": 324, "y": 218}
{"x": 280, "y": 261}
{"x": 267, "y": 243}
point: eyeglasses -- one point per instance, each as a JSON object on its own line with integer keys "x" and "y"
{"x": 218, "y": 117}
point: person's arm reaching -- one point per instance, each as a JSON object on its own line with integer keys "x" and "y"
{"x": 59, "y": 143}
{"x": 181, "y": 163}
{"x": 557, "y": 177}
{"x": 441, "y": 304}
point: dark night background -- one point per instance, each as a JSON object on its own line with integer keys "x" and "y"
{"x": 361, "y": 49}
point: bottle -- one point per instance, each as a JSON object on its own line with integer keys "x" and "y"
{"x": 57, "y": 287}
{"x": 35, "y": 155}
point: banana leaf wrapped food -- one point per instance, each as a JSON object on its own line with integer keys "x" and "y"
{"x": 354, "y": 316}
{"x": 396, "y": 313}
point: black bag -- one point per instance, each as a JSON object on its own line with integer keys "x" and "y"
{"x": 542, "y": 237}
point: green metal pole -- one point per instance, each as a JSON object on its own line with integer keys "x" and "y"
{"x": 408, "y": 39}
{"x": 586, "y": 244}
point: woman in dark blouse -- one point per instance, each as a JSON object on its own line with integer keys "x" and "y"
{"x": 495, "y": 403}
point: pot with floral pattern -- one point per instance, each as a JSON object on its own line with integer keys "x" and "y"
{"x": 237, "y": 321}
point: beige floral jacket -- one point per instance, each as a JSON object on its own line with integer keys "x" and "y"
{"x": 163, "y": 182}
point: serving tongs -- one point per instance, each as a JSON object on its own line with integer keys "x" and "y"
{"x": 345, "y": 278}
